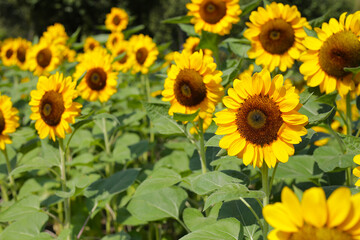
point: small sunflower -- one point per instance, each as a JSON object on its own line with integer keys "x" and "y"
{"x": 216, "y": 16}
{"x": 90, "y": 44}
{"x": 276, "y": 34}
{"x": 52, "y": 105}
{"x": 315, "y": 217}
{"x": 8, "y": 52}
{"x": 261, "y": 122}
{"x": 143, "y": 53}
{"x": 43, "y": 58}
{"x": 9, "y": 120}
{"x": 55, "y": 34}
{"x": 113, "y": 40}
{"x": 117, "y": 20}
{"x": 193, "y": 83}
{"x": 336, "y": 47}
{"x": 124, "y": 64}
{"x": 99, "y": 81}
{"x": 191, "y": 45}
{"x": 356, "y": 171}
{"x": 22, "y": 46}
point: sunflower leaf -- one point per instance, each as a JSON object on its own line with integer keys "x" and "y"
{"x": 119, "y": 57}
{"x": 188, "y": 29}
{"x": 73, "y": 37}
{"x": 250, "y": 7}
{"x": 354, "y": 70}
{"x": 186, "y": 117}
{"x": 330, "y": 158}
{"x": 128, "y": 32}
{"x": 179, "y": 19}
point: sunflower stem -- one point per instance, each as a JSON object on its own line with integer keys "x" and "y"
{"x": 106, "y": 139}
{"x": 4, "y": 195}
{"x": 11, "y": 179}
{"x": 202, "y": 146}
{"x": 349, "y": 132}
{"x": 266, "y": 188}
{"x": 253, "y": 212}
{"x": 67, "y": 221}
{"x": 273, "y": 176}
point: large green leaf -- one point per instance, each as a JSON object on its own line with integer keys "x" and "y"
{"x": 118, "y": 236}
{"x": 21, "y": 209}
{"x": 195, "y": 220}
{"x": 329, "y": 158}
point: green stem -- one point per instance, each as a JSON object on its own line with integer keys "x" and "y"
{"x": 4, "y": 195}
{"x": 273, "y": 176}
{"x": 202, "y": 146}
{"x": 148, "y": 96}
{"x": 349, "y": 177}
{"x": 253, "y": 212}
{"x": 349, "y": 132}
{"x": 67, "y": 221}
{"x": 183, "y": 225}
{"x": 11, "y": 179}
{"x": 106, "y": 139}
{"x": 265, "y": 185}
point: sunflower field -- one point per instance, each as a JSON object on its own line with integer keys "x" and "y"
{"x": 248, "y": 129}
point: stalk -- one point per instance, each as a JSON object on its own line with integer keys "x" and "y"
{"x": 67, "y": 209}
{"x": 202, "y": 146}
{"x": 11, "y": 179}
{"x": 266, "y": 188}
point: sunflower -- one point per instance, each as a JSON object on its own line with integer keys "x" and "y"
{"x": 356, "y": 171}
{"x": 191, "y": 44}
{"x": 52, "y": 105}
{"x": 276, "y": 34}
{"x": 216, "y": 16}
{"x": 43, "y": 58}
{"x": 55, "y": 34}
{"x": 21, "y": 48}
{"x": 90, "y": 44}
{"x": 8, "y": 52}
{"x": 193, "y": 83}
{"x": 9, "y": 120}
{"x": 261, "y": 121}
{"x": 117, "y": 20}
{"x": 168, "y": 60}
{"x": 124, "y": 64}
{"x": 336, "y": 47}
{"x": 315, "y": 218}
{"x": 143, "y": 53}
{"x": 113, "y": 40}
{"x": 99, "y": 81}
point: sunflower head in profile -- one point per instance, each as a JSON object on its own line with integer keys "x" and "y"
{"x": 114, "y": 39}
{"x": 43, "y": 57}
{"x": 8, "y": 52}
{"x": 143, "y": 53}
{"x": 191, "y": 43}
{"x": 90, "y": 44}
{"x": 117, "y": 20}
{"x": 276, "y": 34}
{"x": 21, "y": 48}
{"x": 52, "y": 106}
{"x": 216, "y": 16}
{"x": 336, "y": 47}
{"x": 55, "y": 34}
{"x": 261, "y": 121}
{"x": 124, "y": 64}
{"x": 193, "y": 83}
{"x": 100, "y": 80}
{"x": 9, "y": 120}
{"x": 315, "y": 217}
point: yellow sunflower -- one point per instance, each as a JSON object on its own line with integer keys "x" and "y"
{"x": 315, "y": 217}
{"x": 8, "y": 52}
{"x": 99, "y": 81}
{"x": 9, "y": 120}
{"x": 21, "y": 46}
{"x": 356, "y": 171}
{"x": 143, "y": 53}
{"x": 168, "y": 60}
{"x": 276, "y": 34}
{"x": 90, "y": 44}
{"x": 193, "y": 83}
{"x": 43, "y": 58}
{"x": 113, "y": 40}
{"x": 55, "y": 34}
{"x": 52, "y": 105}
{"x": 261, "y": 121}
{"x": 336, "y": 47}
{"x": 124, "y": 64}
{"x": 117, "y": 20}
{"x": 192, "y": 43}
{"x": 216, "y": 16}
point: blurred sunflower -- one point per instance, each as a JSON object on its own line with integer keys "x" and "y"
{"x": 169, "y": 60}
{"x": 276, "y": 34}
{"x": 336, "y": 47}
{"x": 117, "y": 20}
{"x": 191, "y": 44}
{"x": 43, "y": 58}
{"x": 90, "y": 44}
{"x": 193, "y": 83}
{"x": 356, "y": 171}
{"x": 216, "y": 16}
{"x": 68, "y": 54}
{"x": 99, "y": 81}
{"x": 113, "y": 40}
{"x": 55, "y": 34}
{"x": 9, "y": 120}
{"x": 261, "y": 121}
{"x": 52, "y": 105}
{"x": 8, "y": 52}
{"x": 143, "y": 53}
{"x": 315, "y": 218}
{"x": 22, "y": 46}
{"x": 124, "y": 64}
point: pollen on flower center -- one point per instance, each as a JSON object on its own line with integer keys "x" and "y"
{"x": 212, "y": 11}
{"x": 310, "y": 232}
{"x": 141, "y": 55}
{"x": 44, "y": 57}
{"x": 51, "y": 108}
{"x": 96, "y": 79}
{"x": 2, "y": 122}
{"x": 256, "y": 119}
{"x": 340, "y": 50}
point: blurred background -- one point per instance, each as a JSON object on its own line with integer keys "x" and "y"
{"x": 29, "y": 18}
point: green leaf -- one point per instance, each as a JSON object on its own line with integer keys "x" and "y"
{"x": 107, "y": 116}
{"x": 328, "y": 99}
{"x": 330, "y": 158}
{"x": 130, "y": 31}
{"x": 214, "y": 141}
{"x": 179, "y": 19}
{"x": 21, "y": 209}
{"x": 230, "y": 192}
{"x": 157, "y": 205}
{"x": 188, "y": 29}
{"x": 186, "y": 117}
{"x": 209, "y": 41}
{"x": 224, "y": 229}
{"x": 195, "y": 220}
{"x": 119, "y": 57}
{"x": 118, "y": 236}
{"x": 250, "y": 6}
{"x": 176, "y": 160}
{"x": 354, "y": 70}
{"x": 319, "y": 118}
{"x": 352, "y": 143}
{"x": 73, "y": 37}
{"x": 316, "y": 22}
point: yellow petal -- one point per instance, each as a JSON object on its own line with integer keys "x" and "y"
{"x": 236, "y": 146}
{"x": 277, "y": 216}
{"x": 357, "y": 159}
{"x": 339, "y": 206}
{"x": 292, "y": 204}
{"x": 314, "y": 207}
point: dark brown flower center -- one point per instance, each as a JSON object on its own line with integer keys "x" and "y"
{"x": 313, "y": 233}
{"x": 259, "y": 119}
{"x": 340, "y": 50}
{"x": 51, "y": 108}
{"x": 2, "y": 122}
{"x": 9, "y": 53}
{"x": 141, "y": 55}
{"x": 123, "y": 60}
{"x": 92, "y": 46}
{"x": 189, "y": 89}
{"x": 43, "y": 57}
{"x": 116, "y": 20}
{"x": 212, "y": 11}
{"x": 114, "y": 41}
{"x": 96, "y": 79}
{"x": 21, "y": 54}
{"x": 277, "y": 36}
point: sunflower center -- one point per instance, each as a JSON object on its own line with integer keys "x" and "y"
{"x": 189, "y": 89}
{"x": 277, "y": 36}
{"x": 310, "y": 232}
{"x": 114, "y": 41}
{"x": 2, "y": 122}
{"x": 259, "y": 119}
{"x": 212, "y": 11}
{"x": 116, "y": 20}
{"x": 96, "y": 79}
{"x": 92, "y": 46}
{"x": 123, "y": 60}
{"x": 21, "y": 54}
{"x": 43, "y": 57}
{"x": 141, "y": 55}
{"x": 340, "y": 50}
{"x": 51, "y": 108}
{"x": 9, "y": 53}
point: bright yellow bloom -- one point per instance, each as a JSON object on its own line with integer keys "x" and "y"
{"x": 117, "y": 20}
{"x": 8, "y": 52}
{"x": 216, "y": 16}
{"x": 100, "y": 80}
{"x": 52, "y": 105}
{"x": 192, "y": 43}
{"x": 261, "y": 122}
{"x": 9, "y": 120}
{"x": 315, "y": 218}
{"x": 21, "y": 46}
{"x": 356, "y": 171}
{"x": 336, "y": 47}
{"x": 55, "y": 34}
{"x": 114, "y": 39}
{"x": 124, "y": 64}
{"x": 276, "y": 34}
{"x": 90, "y": 44}
{"x": 43, "y": 58}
